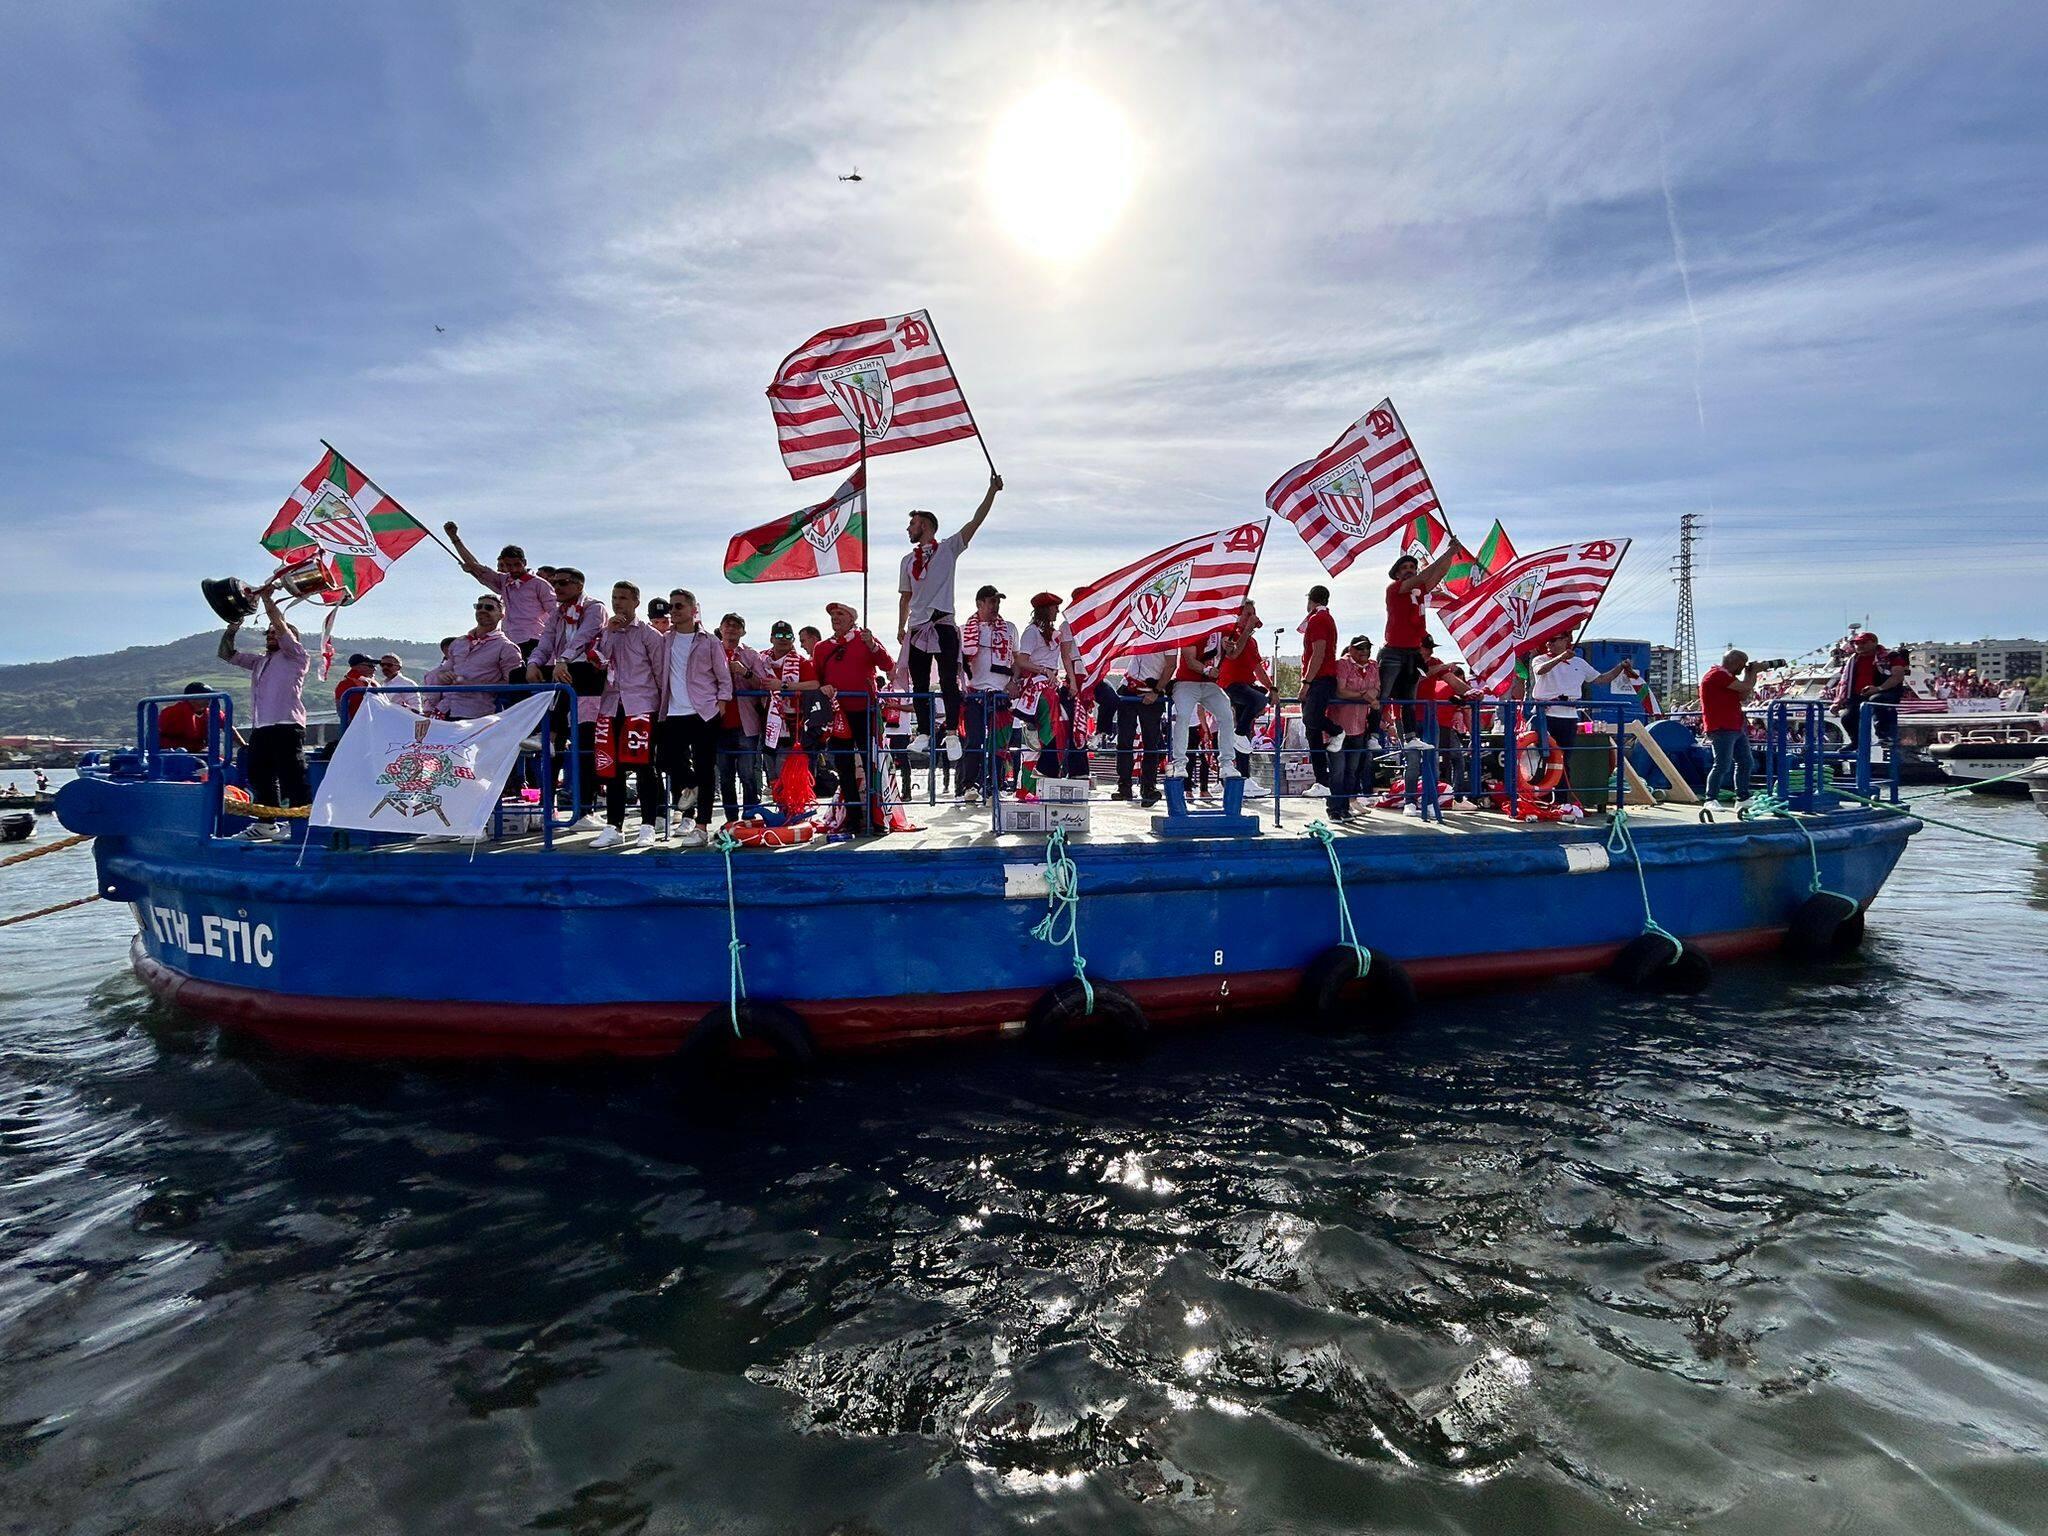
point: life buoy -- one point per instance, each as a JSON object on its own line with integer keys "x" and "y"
{"x": 758, "y": 834}
{"x": 1651, "y": 962}
{"x": 1821, "y": 927}
{"x": 712, "y": 1042}
{"x": 1526, "y": 759}
{"x": 1062, "y": 1020}
{"x": 1335, "y": 998}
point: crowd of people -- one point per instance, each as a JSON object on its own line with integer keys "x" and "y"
{"x": 685, "y": 718}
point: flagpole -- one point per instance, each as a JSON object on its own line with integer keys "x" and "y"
{"x": 963, "y": 393}
{"x": 422, "y": 526}
{"x": 866, "y": 514}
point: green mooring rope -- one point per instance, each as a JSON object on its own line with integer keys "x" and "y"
{"x": 1061, "y": 924}
{"x": 1764, "y": 804}
{"x": 1620, "y": 839}
{"x": 1953, "y": 826}
{"x": 736, "y": 984}
{"x": 1347, "y": 932}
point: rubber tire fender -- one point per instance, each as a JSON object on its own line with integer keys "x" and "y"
{"x": 1648, "y": 963}
{"x": 710, "y": 1043}
{"x": 1335, "y": 999}
{"x": 1815, "y": 932}
{"x": 1060, "y": 1020}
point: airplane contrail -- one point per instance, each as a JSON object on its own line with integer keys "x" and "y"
{"x": 1684, "y": 276}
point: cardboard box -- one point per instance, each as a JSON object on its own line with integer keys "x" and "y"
{"x": 1068, "y": 818}
{"x": 1015, "y": 816}
{"x": 1064, "y": 791}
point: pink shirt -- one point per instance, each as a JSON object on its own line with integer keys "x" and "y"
{"x": 570, "y": 633}
{"x": 477, "y": 659}
{"x": 275, "y": 680}
{"x": 634, "y": 660}
{"x": 529, "y": 604}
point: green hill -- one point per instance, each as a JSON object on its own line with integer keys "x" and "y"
{"x": 93, "y": 697}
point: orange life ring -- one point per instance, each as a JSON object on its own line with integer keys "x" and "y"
{"x": 758, "y": 834}
{"x": 1553, "y": 763}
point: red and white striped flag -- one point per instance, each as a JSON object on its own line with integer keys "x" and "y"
{"x": 887, "y": 378}
{"x": 1366, "y": 486}
{"x": 1524, "y": 603}
{"x": 1184, "y": 592}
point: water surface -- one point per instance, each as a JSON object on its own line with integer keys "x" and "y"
{"x": 1563, "y": 1259}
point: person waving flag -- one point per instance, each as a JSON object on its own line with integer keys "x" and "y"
{"x": 339, "y": 516}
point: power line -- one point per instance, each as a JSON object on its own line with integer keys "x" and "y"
{"x": 1687, "y": 640}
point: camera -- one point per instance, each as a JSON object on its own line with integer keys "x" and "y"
{"x": 1773, "y": 664}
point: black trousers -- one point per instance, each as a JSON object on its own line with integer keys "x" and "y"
{"x": 1315, "y": 720}
{"x": 1248, "y": 701}
{"x": 948, "y": 655}
{"x": 848, "y": 757}
{"x": 1400, "y": 676}
{"x": 686, "y": 751}
{"x": 277, "y": 765}
{"x": 588, "y": 681}
{"x": 1140, "y": 722}
{"x": 647, "y": 776}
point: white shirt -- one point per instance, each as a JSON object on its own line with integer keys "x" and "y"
{"x": 981, "y": 666}
{"x": 1049, "y": 656}
{"x": 679, "y": 649}
{"x": 416, "y": 702}
{"x": 1566, "y": 680}
{"x": 1150, "y": 667}
{"x": 933, "y": 591}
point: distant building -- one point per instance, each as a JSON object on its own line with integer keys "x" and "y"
{"x": 2000, "y": 661}
{"x": 1663, "y": 672}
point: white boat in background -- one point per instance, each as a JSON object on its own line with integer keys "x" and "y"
{"x": 1992, "y": 747}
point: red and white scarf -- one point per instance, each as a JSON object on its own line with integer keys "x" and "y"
{"x": 995, "y": 631}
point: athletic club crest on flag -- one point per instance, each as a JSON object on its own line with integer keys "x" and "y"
{"x": 1346, "y": 500}
{"x": 334, "y": 522}
{"x": 1154, "y": 604}
{"x": 1520, "y": 601}
{"x": 861, "y": 391}
{"x": 824, "y": 531}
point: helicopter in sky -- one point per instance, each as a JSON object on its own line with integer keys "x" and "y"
{"x": 856, "y": 176}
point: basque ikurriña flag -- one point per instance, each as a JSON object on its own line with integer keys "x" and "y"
{"x": 338, "y": 514}
{"x": 1516, "y": 608}
{"x": 1183, "y": 593}
{"x": 887, "y": 380}
{"x": 823, "y": 540}
{"x": 1467, "y": 569}
{"x": 1364, "y": 487}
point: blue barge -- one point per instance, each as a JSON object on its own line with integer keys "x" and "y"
{"x": 394, "y": 949}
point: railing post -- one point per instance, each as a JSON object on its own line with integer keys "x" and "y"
{"x": 1511, "y": 751}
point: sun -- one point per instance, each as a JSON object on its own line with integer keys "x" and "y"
{"x": 1060, "y": 170}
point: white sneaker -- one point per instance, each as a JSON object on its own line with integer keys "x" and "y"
{"x": 1411, "y": 809}
{"x": 644, "y": 838}
{"x": 953, "y": 749}
{"x": 590, "y": 821}
{"x": 686, "y": 802}
{"x": 693, "y": 836}
{"x": 610, "y": 837}
{"x": 255, "y": 832}
{"x": 971, "y": 795}
{"x": 918, "y": 743}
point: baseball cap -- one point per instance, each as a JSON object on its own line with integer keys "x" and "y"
{"x": 988, "y": 590}
{"x": 781, "y": 629}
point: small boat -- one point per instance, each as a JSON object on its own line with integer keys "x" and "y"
{"x": 17, "y": 826}
{"x": 2037, "y": 786}
{"x": 37, "y": 803}
{"x": 1992, "y": 751}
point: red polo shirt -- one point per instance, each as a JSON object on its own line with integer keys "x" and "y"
{"x": 1720, "y": 707}
{"x": 850, "y": 665}
{"x": 1405, "y": 627}
{"x": 1321, "y": 627}
{"x": 1244, "y": 666}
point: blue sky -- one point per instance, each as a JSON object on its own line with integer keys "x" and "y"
{"x": 230, "y": 231}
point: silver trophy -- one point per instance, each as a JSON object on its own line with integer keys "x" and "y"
{"x": 235, "y": 600}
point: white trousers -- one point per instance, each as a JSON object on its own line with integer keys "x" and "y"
{"x": 1188, "y": 698}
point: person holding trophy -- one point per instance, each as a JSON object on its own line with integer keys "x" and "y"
{"x": 277, "y": 738}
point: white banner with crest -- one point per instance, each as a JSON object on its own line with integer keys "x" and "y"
{"x": 397, "y": 771}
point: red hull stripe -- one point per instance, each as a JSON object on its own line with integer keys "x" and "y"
{"x": 406, "y": 1029}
